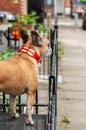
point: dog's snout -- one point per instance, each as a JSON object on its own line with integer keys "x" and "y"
{"x": 49, "y": 51}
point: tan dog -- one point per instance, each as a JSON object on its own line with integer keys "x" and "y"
{"x": 19, "y": 73}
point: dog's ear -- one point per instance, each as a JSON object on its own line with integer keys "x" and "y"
{"x": 24, "y": 35}
{"x": 36, "y": 39}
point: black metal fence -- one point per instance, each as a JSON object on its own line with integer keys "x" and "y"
{"x": 52, "y": 108}
{"x": 49, "y": 68}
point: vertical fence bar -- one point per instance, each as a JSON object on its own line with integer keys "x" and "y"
{"x": 44, "y": 67}
{"x": 48, "y": 65}
{"x": 51, "y": 86}
{"x": 56, "y": 43}
{"x": 51, "y": 41}
{"x": 4, "y": 102}
{"x": 8, "y": 36}
{"x": 37, "y": 102}
{"x": 53, "y": 82}
{"x": 15, "y": 43}
{"x": 19, "y": 101}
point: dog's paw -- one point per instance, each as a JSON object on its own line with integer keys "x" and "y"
{"x": 14, "y": 115}
{"x": 29, "y": 121}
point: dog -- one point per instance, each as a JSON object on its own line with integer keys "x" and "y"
{"x": 19, "y": 73}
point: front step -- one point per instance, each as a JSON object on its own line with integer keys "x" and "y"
{"x": 19, "y": 123}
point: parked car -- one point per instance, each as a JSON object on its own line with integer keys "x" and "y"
{"x": 9, "y": 16}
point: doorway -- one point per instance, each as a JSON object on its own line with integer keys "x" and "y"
{"x": 38, "y": 6}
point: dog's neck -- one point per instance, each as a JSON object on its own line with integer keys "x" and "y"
{"x": 31, "y": 53}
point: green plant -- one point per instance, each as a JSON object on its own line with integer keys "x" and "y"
{"x": 66, "y": 127}
{"x": 60, "y": 49}
{"x": 30, "y": 18}
{"x": 42, "y": 29}
{"x": 6, "y": 54}
{"x": 7, "y": 101}
{"x": 65, "y": 119}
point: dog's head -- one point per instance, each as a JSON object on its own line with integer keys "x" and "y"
{"x": 39, "y": 43}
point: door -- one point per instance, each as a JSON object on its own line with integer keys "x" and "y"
{"x": 60, "y": 6}
{"x": 36, "y": 5}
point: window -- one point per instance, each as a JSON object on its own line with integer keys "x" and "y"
{"x": 76, "y": 2}
{"x": 48, "y": 2}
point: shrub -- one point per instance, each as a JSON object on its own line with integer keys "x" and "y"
{"x": 6, "y": 54}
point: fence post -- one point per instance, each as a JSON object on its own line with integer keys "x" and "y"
{"x": 56, "y": 43}
{"x": 36, "y": 101}
{"x": 4, "y": 102}
{"x": 8, "y": 36}
{"x": 19, "y": 101}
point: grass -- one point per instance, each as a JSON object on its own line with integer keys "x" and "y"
{"x": 65, "y": 119}
{"x": 60, "y": 49}
{"x": 66, "y": 127}
{"x": 66, "y": 122}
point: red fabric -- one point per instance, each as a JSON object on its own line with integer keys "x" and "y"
{"x": 30, "y": 52}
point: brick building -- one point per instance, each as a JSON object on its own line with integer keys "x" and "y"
{"x": 24, "y": 6}
{"x": 10, "y": 5}
{"x": 14, "y": 6}
{"x": 77, "y": 6}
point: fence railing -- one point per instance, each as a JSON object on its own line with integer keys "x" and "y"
{"x": 52, "y": 108}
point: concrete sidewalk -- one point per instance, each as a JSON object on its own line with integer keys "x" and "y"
{"x": 68, "y": 22}
{"x": 71, "y": 93}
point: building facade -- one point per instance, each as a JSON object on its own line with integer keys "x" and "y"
{"x": 52, "y": 6}
{"x": 76, "y": 5}
{"x": 14, "y": 6}
{"x": 22, "y": 6}
{"x": 10, "y": 5}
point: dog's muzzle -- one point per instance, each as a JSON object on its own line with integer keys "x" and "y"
{"x": 49, "y": 52}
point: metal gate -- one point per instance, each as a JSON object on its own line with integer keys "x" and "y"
{"x": 46, "y": 121}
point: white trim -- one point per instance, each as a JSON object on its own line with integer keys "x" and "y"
{"x": 44, "y": 78}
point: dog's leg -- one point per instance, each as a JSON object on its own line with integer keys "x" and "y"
{"x": 12, "y": 112}
{"x": 30, "y": 102}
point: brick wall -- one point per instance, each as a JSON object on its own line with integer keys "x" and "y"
{"x": 9, "y": 5}
{"x": 67, "y": 3}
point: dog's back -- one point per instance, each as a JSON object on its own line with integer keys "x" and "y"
{"x": 15, "y": 74}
